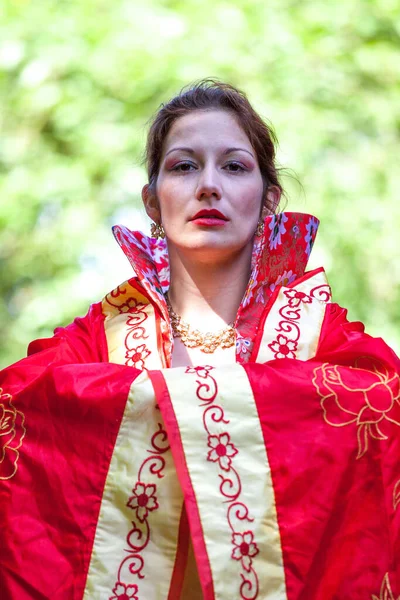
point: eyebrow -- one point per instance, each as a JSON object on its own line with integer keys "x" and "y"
{"x": 227, "y": 151}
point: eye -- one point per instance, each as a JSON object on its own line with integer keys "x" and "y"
{"x": 235, "y": 167}
{"x": 183, "y": 167}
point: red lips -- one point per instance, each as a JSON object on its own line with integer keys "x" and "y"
{"x": 210, "y": 213}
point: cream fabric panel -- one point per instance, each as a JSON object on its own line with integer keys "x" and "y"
{"x": 229, "y": 470}
{"x": 293, "y": 325}
{"x": 136, "y": 537}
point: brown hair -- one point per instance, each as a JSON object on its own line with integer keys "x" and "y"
{"x": 212, "y": 94}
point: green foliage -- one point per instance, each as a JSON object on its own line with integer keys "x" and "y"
{"x": 80, "y": 79}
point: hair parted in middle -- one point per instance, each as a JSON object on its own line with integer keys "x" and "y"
{"x": 212, "y": 94}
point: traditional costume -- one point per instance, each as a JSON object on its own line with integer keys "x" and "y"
{"x": 282, "y": 470}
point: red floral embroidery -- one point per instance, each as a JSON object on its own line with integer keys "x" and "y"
{"x": 124, "y": 592}
{"x": 200, "y": 371}
{"x": 136, "y": 315}
{"x": 296, "y": 297}
{"x": 143, "y": 500}
{"x": 245, "y": 548}
{"x": 136, "y": 356}
{"x": 283, "y": 347}
{"x": 286, "y": 343}
{"x": 128, "y": 306}
{"x": 222, "y": 451}
{"x": 12, "y": 433}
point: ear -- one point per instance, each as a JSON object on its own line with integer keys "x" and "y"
{"x": 151, "y": 203}
{"x": 272, "y": 199}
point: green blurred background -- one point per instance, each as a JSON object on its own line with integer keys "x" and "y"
{"x": 79, "y": 81}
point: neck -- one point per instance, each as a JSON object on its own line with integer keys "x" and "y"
{"x": 207, "y": 293}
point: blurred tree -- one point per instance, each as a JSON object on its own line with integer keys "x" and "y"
{"x": 80, "y": 79}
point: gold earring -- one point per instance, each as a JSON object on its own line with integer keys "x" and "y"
{"x": 157, "y": 231}
{"x": 260, "y": 228}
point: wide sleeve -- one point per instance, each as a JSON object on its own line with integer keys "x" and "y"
{"x": 82, "y": 341}
{"x": 344, "y": 342}
{"x": 60, "y": 413}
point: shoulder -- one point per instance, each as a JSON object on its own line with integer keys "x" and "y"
{"x": 82, "y": 340}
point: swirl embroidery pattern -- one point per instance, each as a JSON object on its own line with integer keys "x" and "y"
{"x": 135, "y": 356}
{"x": 12, "y": 433}
{"x": 222, "y": 452}
{"x": 367, "y": 395}
{"x": 286, "y": 342}
{"x": 142, "y": 502}
{"x": 285, "y": 346}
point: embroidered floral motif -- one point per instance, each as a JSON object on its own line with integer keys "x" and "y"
{"x": 286, "y": 343}
{"x": 277, "y": 227}
{"x": 386, "y": 591}
{"x": 124, "y": 592}
{"x": 283, "y": 348}
{"x": 137, "y": 356}
{"x": 12, "y": 433}
{"x": 367, "y": 396}
{"x": 296, "y": 297}
{"x": 200, "y": 371}
{"x": 222, "y": 451}
{"x": 143, "y": 500}
{"x": 245, "y": 548}
{"x": 128, "y": 306}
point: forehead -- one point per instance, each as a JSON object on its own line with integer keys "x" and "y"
{"x": 207, "y": 128}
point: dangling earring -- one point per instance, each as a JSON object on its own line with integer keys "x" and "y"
{"x": 157, "y": 231}
{"x": 260, "y": 228}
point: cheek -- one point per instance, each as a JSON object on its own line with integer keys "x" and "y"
{"x": 250, "y": 204}
{"x": 168, "y": 198}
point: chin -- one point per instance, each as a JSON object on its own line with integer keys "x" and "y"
{"x": 215, "y": 248}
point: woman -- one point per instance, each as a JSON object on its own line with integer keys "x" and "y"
{"x": 215, "y": 427}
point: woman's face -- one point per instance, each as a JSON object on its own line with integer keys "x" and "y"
{"x": 209, "y": 188}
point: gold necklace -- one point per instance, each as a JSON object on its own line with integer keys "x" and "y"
{"x": 193, "y": 338}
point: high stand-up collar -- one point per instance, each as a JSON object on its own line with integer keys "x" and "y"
{"x": 279, "y": 257}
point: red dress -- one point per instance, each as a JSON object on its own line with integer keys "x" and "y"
{"x": 283, "y": 468}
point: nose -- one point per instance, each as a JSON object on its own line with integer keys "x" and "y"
{"x": 208, "y": 185}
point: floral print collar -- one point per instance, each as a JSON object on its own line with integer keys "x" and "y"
{"x": 279, "y": 257}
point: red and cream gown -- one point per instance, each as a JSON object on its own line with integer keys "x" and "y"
{"x": 282, "y": 469}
